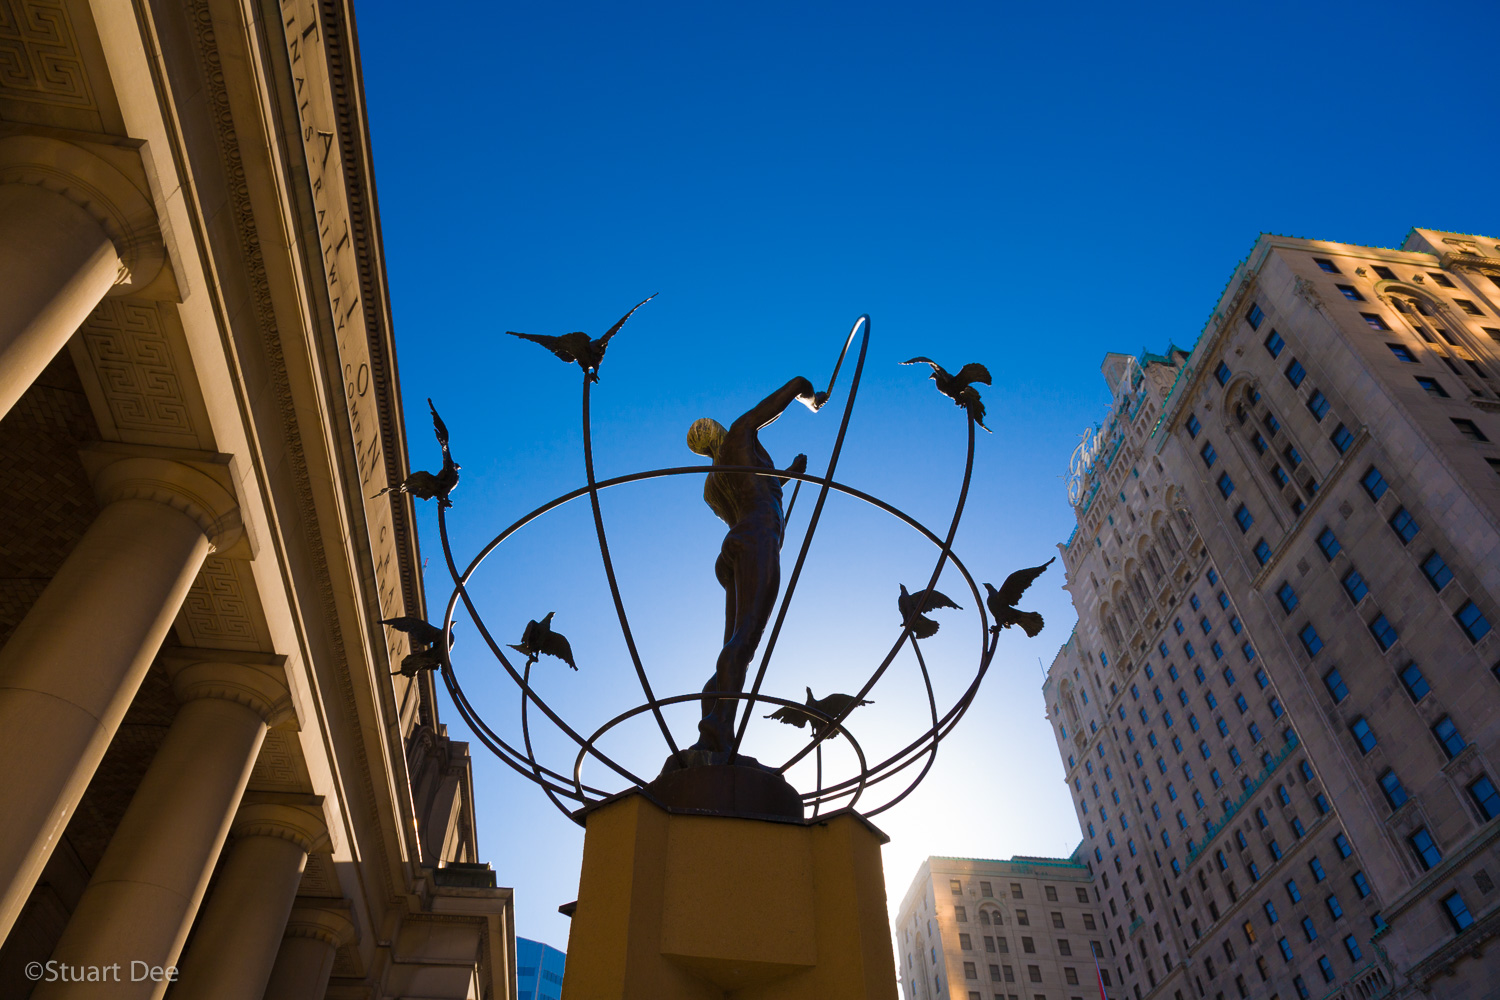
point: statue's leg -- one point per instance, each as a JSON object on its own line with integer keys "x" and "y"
{"x": 757, "y": 579}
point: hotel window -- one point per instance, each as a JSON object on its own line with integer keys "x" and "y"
{"x": 1193, "y": 426}
{"x": 1402, "y": 354}
{"x": 1425, "y": 849}
{"x": 1255, "y": 316}
{"x": 1436, "y": 570}
{"x": 1404, "y": 525}
{"x": 1384, "y": 272}
{"x": 1327, "y": 265}
{"x": 1351, "y": 293}
{"x": 1311, "y": 641}
{"x": 1354, "y": 585}
{"x": 1448, "y": 737}
{"x": 1474, "y": 624}
{"x": 1375, "y": 322}
{"x": 1274, "y": 344}
{"x": 1469, "y": 307}
{"x": 1262, "y": 552}
{"x": 1287, "y": 597}
{"x": 1243, "y": 518}
{"x": 1414, "y": 682}
{"x": 1222, "y": 373}
{"x": 1342, "y": 438}
{"x": 1383, "y": 631}
{"x": 1209, "y": 455}
{"x": 1226, "y": 485}
{"x": 1295, "y": 373}
{"x": 1374, "y": 483}
{"x": 1469, "y": 429}
{"x": 1317, "y": 404}
{"x": 1432, "y": 387}
{"x": 1482, "y": 791}
{"x": 1334, "y": 681}
{"x": 1363, "y": 735}
{"x": 1328, "y": 543}
{"x": 1439, "y": 278}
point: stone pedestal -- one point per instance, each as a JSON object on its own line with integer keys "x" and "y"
{"x": 695, "y": 907}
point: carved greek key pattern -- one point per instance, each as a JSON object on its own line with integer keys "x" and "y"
{"x": 217, "y": 611}
{"x": 279, "y": 766}
{"x": 39, "y": 57}
{"x": 318, "y": 879}
{"x": 133, "y": 360}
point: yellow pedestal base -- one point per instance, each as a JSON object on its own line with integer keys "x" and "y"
{"x": 684, "y": 907}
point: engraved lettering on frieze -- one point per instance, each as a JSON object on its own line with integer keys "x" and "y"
{"x": 133, "y": 359}
{"x": 318, "y": 128}
{"x": 39, "y": 57}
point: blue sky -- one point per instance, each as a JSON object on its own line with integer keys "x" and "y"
{"x": 1028, "y": 187}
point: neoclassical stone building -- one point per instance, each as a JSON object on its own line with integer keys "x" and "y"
{"x": 209, "y": 763}
{"x": 1280, "y": 711}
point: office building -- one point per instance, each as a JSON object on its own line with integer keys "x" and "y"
{"x": 539, "y": 970}
{"x": 214, "y": 782}
{"x": 1280, "y": 710}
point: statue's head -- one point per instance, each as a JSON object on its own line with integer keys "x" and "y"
{"x": 705, "y": 436}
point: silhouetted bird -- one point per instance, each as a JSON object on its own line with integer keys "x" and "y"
{"x": 427, "y": 485}
{"x": 422, "y": 633}
{"x": 921, "y": 626}
{"x": 577, "y": 348}
{"x": 830, "y": 706}
{"x": 1002, "y": 602}
{"x": 539, "y": 638}
{"x": 959, "y": 388}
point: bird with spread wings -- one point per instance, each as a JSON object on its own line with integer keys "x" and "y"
{"x": 830, "y": 706}
{"x": 1002, "y": 602}
{"x": 430, "y": 485}
{"x": 425, "y": 634}
{"x": 913, "y": 608}
{"x": 960, "y": 387}
{"x": 577, "y": 347}
{"x": 539, "y": 639}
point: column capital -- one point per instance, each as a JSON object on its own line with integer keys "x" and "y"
{"x": 255, "y": 680}
{"x": 328, "y": 920}
{"x": 295, "y": 818}
{"x": 189, "y": 488}
{"x": 117, "y": 203}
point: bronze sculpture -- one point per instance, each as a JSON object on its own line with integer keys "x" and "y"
{"x": 749, "y": 562}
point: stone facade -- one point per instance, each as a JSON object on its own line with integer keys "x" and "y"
{"x": 1280, "y": 710}
{"x": 215, "y": 770}
{"x": 1023, "y": 929}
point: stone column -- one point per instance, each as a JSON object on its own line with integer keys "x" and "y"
{"x": 72, "y": 228}
{"x": 314, "y": 934}
{"x": 143, "y": 896}
{"x": 73, "y": 665}
{"x": 240, "y": 930}
{"x": 56, "y": 264}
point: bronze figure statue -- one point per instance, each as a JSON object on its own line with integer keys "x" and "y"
{"x": 749, "y": 563}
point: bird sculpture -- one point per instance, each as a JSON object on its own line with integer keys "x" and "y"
{"x": 831, "y": 706}
{"x": 1002, "y": 602}
{"x": 911, "y": 605}
{"x": 424, "y": 634}
{"x": 429, "y": 485}
{"x": 960, "y": 387}
{"x": 577, "y": 347}
{"x": 538, "y": 638}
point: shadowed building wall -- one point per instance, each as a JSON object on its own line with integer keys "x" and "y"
{"x": 198, "y": 402}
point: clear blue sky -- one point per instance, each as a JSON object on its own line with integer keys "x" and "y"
{"x": 1029, "y": 187}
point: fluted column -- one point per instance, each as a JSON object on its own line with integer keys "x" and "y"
{"x": 146, "y": 890}
{"x": 240, "y": 930}
{"x": 73, "y": 665}
{"x": 314, "y": 933}
{"x": 72, "y": 227}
